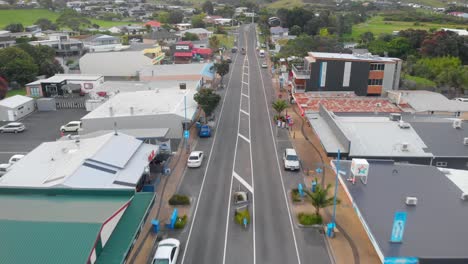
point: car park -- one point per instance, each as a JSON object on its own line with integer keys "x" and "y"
{"x": 167, "y": 251}
{"x": 4, "y": 168}
{"x": 15, "y": 158}
{"x": 72, "y": 126}
{"x": 13, "y": 127}
{"x": 195, "y": 159}
{"x": 290, "y": 159}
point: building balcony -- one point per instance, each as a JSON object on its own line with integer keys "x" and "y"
{"x": 298, "y": 88}
{"x": 300, "y": 73}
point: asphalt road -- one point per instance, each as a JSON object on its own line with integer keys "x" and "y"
{"x": 244, "y": 154}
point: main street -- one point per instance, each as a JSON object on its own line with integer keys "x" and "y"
{"x": 244, "y": 154}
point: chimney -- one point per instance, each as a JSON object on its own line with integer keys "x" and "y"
{"x": 131, "y": 110}
{"x": 111, "y": 111}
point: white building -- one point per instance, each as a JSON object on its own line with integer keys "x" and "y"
{"x": 459, "y": 32}
{"x": 16, "y": 107}
{"x": 103, "y": 43}
{"x": 116, "y": 161}
{"x": 57, "y": 84}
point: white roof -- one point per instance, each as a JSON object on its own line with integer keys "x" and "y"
{"x": 57, "y": 78}
{"x": 15, "y": 101}
{"x": 134, "y": 86}
{"x": 179, "y": 72}
{"x": 107, "y": 161}
{"x": 125, "y": 63}
{"x": 458, "y": 177}
{"x": 196, "y": 31}
{"x": 460, "y": 32}
{"x": 343, "y": 56}
{"x": 159, "y": 102}
{"x": 422, "y": 101}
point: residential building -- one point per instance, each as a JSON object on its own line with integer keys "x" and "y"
{"x": 33, "y": 29}
{"x": 183, "y": 26}
{"x": 6, "y": 39}
{"x": 279, "y": 31}
{"x": 240, "y": 10}
{"x": 60, "y": 84}
{"x": 211, "y": 19}
{"x": 363, "y": 74}
{"x": 115, "y": 65}
{"x": 155, "y": 25}
{"x": 411, "y": 194}
{"x": 103, "y": 43}
{"x": 62, "y": 44}
{"x": 161, "y": 35}
{"x": 112, "y": 160}
{"x": 200, "y": 32}
{"x": 16, "y": 107}
{"x": 72, "y": 225}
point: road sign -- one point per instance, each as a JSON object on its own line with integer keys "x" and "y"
{"x": 186, "y": 134}
{"x": 401, "y": 260}
{"x": 398, "y": 228}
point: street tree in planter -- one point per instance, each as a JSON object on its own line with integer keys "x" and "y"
{"x": 279, "y": 106}
{"x": 207, "y": 100}
{"x": 222, "y": 69}
{"x": 320, "y": 199}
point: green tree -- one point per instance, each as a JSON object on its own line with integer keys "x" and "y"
{"x": 279, "y": 106}
{"x": 214, "y": 43}
{"x": 175, "y": 17}
{"x": 207, "y": 99}
{"x": 44, "y": 58}
{"x": 324, "y": 32}
{"x": 162, "y": 16}
{"x": 190, "y": 37}
{"x": 295, "y": 30}
{"x": 226, "y": 11}
{"x": 17, "y": 65}
{"x": 367, "y": 37}
{"x": 319, "y": 199}
{"x": 3, "y": 88}
{"x": 197, "y": 20}
{"x": 45, "y": 24}
{"x": 207, "y": 7}
{"x": 15, "y": 27}
{"x": 221, "y": 68}
{"x": 399, "y": 47}
{"x": 71, "y": 19}
{"x": 49, "y": 4}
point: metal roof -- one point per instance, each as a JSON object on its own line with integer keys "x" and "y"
{"x": 15, "y": 101}
{"x": 433, "y": 228}
{"x": 179, "y": 72}
{"x": 431, "y": 101}
{"x": 359, "y": 57}
{"x": 54, "y": 225}
{"x": 58, "y": 78}
{"x": 133, "y": 86}
{"x": 123, "y": 63}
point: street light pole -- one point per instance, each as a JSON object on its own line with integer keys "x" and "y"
{"x": 185, "y": 122}
{"x": 336, "y": 188}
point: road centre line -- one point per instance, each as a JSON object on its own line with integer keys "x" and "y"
{"x": 243, "y": 182}
{"x": 244, "y": 137}
{"x": 244, "y": 112}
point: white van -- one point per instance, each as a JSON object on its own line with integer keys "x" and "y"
{"x": 72, "y": 126}
{"x": 261, "y": 53}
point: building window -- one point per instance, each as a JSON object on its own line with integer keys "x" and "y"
{"x": 441, "y": 164}
{"x": 35, "y": 92}
{"x": 377, "y": 67}
{"x": 374, "y": 82}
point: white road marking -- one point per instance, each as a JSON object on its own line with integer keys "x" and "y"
{"x": 245, "y": 82}
{"x": 207, "y": 166}
{"x": 244, "y": 112}
{"x": 279, "y": 167}
{"x": 245, "y": 95}
{"x": 243, "y": 182}
{"x": 13, "y": 152}
{"x": 244, "y": 138}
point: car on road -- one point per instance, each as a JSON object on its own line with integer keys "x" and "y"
{"x": 228, "y": 60}
{"x": 204, "y": 131}
{"x": 15, "y": 158}
{"x": 264, "y": 65}
{"x": 195, "y": 159}
{"x": 4, "y": 168}
{"x": 243, "y": 51}
{"x": 72, "y": 126}
{"x": 13, "y": 127}
{"x": 167, "y": 251}
{"x": 290, "y": 159}
{"x": 234, "y": 50}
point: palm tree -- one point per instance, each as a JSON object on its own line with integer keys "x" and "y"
{"x": 319, "y": 199}
{"x": 279, "y": 106}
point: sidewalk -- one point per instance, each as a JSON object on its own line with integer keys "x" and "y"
{"x": 351, "y": 244}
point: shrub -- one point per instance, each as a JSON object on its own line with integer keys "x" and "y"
{"x": 309, "y": 219}
{"x": 180, "y": 222}
{"x": 295, "y": 195}
{"x": 239, "y": 217}
{"x": 178, "y": 199}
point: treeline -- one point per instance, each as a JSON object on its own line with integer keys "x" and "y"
{"x": 411, "y": 16}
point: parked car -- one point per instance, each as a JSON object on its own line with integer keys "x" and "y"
{"x": 167, "y": 251}
{"x": 290, "y": 159}
{"x": 72, "y": 126}
{"x": 15, "y": 158}
{"x": 195, "y": 159}
{"x": 264, "y": 65}
{"x": 234, "y": 49}
{"x": 243, "y": 51}
{"x": 461, "y": 99}
{"x": 13, "y": 127}
{"x": 4, "y": 168}
{"x": 228, "y": 60}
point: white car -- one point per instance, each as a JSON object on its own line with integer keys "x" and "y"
{"x": 13, "y": 127}
{"x": 15, "y": 158}
{"x": 195, "y": 159}
{"x": 4, "y": 168}
{"x": 72, "y": 126}
{"x": 290, "y": 159}
{"x": 264, "y": 65}
{"x": 167, "y": 252}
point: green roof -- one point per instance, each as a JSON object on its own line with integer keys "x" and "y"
{"x": 54, "y": 225}
{"x": 121, "y": 240}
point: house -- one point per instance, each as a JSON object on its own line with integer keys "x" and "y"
{"x": 406, "y": 196}
{"x": 60, "y": 84}
{"x": 103, "y": 43}
{"x": 155, "y": 25}
{"x": 183, "y": 26}
{"x": 6, "y": 39}
{"x": 62, "y": 44}
{"x": 77, "y": 225}
{"x": 159, "y": 35}
{"x": 363, "y": 74}
{"x": 200, "y": 32}
{"x": 113, "y": 160}
{"x": 240, "y": 10}
{"x": 114, "y": 65}
{"x": 211, "y": 19}
{"x": 279, "y": 31}
{"x": 16, "y": 107}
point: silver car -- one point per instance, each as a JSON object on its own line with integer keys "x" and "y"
{"x": 13, "y": 127}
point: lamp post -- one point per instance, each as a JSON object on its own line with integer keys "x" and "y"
{"x": 332, "y": 224}
{"x": 186, "y": 133}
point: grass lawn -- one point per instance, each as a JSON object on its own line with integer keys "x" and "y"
{"x": 29, "y": 16}
{"x": 285, "y": 4}
{"x": 225, "y": 40}
{"x": 420, "y": 80}
{"x": 378, "y": 26}
{"x": 21, "y": 91}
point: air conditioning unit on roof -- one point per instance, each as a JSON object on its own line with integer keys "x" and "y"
{"x": 402, "y": 124}
{"x": 457, "y": 123}
{"x": 465, "y": 141}
{"x": 411, "y": 200}
{"x": 404, "y": 146}
{"x": 464, "y": 196}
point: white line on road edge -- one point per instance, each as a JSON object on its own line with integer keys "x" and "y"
{"x": 243, "y": 137}
{"x": 244, "y": 112}
{"x": 243, "y": 182}
{"x": 279, "y": 167}
{"x": 13, "y": 152}
{"x": 207, "y": 166}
